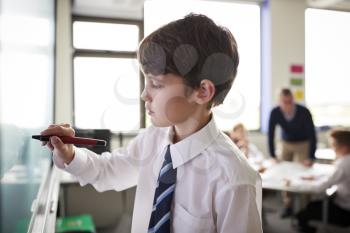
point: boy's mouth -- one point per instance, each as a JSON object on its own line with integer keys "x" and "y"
{"x": 149, "y": 112}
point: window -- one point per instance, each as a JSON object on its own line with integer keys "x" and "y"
{"x": 327, "y": 70}
{"x": 105, "y": 36}
{"x": 106, "y": 74}
{"x": 27, "y": 64}
{"x": 243, "y": 101}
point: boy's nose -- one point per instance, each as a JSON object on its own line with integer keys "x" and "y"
{"x": 144, "y": 95}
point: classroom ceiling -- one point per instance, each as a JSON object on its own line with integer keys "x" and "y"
{"x": 133, "y": 9}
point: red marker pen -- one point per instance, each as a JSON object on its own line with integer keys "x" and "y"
{"x": 72, "y": 140}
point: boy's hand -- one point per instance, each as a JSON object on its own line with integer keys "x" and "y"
{"x": 64, "y": 151}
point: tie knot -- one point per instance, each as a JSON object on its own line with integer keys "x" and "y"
{"x": 167, "y": 156}
{"x": 167, "y": 174}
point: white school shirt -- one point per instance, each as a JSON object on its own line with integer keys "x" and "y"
{"x": 254, "y": 154}
{"x": 216, "y": 189}
{"x": 340, "y": 178}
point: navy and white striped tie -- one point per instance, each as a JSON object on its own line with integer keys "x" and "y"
{"x": 161, "y": 215}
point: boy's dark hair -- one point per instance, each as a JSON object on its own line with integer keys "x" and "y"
{"x": 286, "y": 92}
{"x": 194, "y": 48}
{"x": 341, "y": 137}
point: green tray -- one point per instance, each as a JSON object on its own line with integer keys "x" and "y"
{"x": 80, "y": 224}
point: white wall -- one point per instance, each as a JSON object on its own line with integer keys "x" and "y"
{"x": 287, "y": 40}
{"x": 282, "y": 45}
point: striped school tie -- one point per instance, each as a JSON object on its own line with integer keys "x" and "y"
{"x": 161, "y": 215}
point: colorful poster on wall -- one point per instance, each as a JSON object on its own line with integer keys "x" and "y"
{"x": 297, "y": 81}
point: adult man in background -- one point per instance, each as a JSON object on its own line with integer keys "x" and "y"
{"x": 298, "y": 135}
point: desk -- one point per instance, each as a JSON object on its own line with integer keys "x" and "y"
{"x": 109, "y": 209}
{"x": 286, "y": 176}
{"x": 67, "y": 178}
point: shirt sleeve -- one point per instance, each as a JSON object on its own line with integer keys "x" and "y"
{"x": 312, "y": 135}
{"x": 271, "y": 133}
{"x": 237, "y": 208}
{"x": 255, "y": 153}
{"x": 118, "y": 170}
{"x": 337, "y": 176}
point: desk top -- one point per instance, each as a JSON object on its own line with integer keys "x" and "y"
{"x": 286, "y": 176}
{"x": 67, "y": 178}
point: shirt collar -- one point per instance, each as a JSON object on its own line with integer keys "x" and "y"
{"x": 188, "y": 148}
{"x": 290, "y": 117}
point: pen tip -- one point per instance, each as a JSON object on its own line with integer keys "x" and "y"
{"x": 36, "y": 137}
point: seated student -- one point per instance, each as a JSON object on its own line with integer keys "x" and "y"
{"x": 239, "y": 135}
{"x": 339, "y": 204}
{"x": 182, "y": 165}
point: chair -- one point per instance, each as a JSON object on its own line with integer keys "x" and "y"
{"x": 325, "y": 225}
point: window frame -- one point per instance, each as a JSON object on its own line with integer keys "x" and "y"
{"x": 78, "y": 52}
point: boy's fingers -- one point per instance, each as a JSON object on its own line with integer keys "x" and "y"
{"x": 54, "y": 125}
{"x": 57, "y": 143}
{"x": 49, "y": 145}
{"x": 59, "y": 130}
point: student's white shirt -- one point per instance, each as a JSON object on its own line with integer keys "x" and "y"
{"x": 254, "y": 154}
{"x": 340, "y": 178}
{"x": 216, "y": 190}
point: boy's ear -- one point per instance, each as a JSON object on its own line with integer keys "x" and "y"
{"x": 205, "y": 92}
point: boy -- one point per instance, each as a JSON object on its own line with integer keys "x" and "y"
{"x": 339, "y": 205}
{"x": 189, "y": 176}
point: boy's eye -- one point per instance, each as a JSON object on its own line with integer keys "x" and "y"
{"x": 156, "y": 85}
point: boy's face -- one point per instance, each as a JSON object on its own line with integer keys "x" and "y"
{"x": 167, "y": 101}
